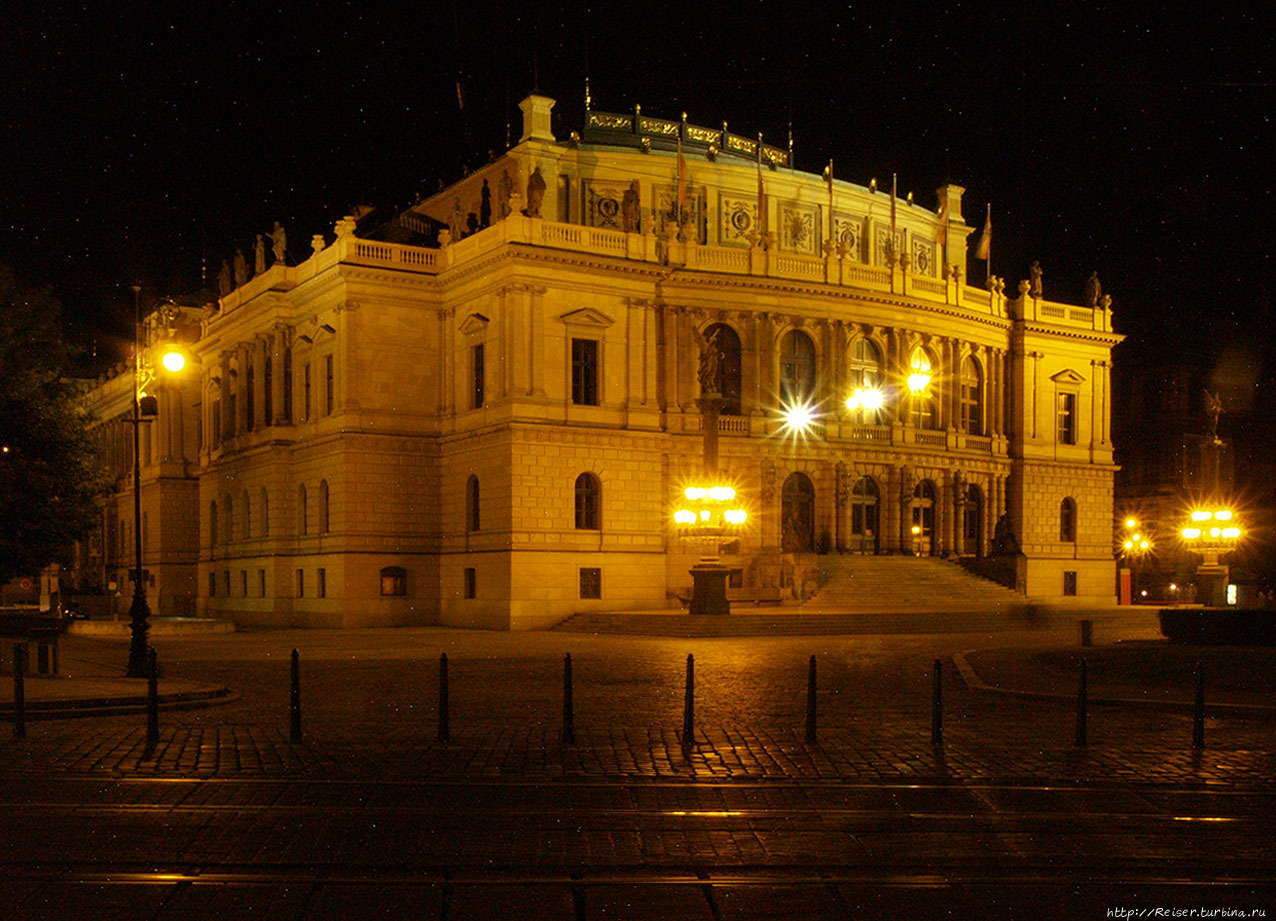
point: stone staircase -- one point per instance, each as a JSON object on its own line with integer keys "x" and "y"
{"x": 856, "y": 595}
{"x": 884, "y": 584}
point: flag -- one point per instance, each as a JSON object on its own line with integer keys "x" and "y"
{"x": 984, "y": 250}
{"x": 941, "y": 232}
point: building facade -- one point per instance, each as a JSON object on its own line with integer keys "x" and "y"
{"x": 485, "y": 416}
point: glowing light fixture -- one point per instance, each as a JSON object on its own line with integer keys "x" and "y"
{"x": 1223, "y": 515}
{"x": 1131, "y": 523}
{"x": 798, "y": 418}
{"x": 173, "y": 361}
{"x": 684, "y": 516}
{"x": 1231, "y": 533}
{"x": 735, "y": 515}
{"x": 694, "y": 492}
{"x": 1191, "y": 533}
{"x": 721, "y": 493}
{"x": 1201, "y": 516}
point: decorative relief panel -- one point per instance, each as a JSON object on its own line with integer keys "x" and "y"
{"x": 693, "y": 215}
{"x": 603, "y": 203}
{"x": 923, "y": 257}
{"x": 883, "y": 244}
{"x": 849, "y": 229}
{"x": 738, "y": 219}
{"x": 798, "y": 225}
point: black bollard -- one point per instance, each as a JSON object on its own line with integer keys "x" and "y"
{"x": 1082, "y": 705}
{"x": 19, "y": 691}
{"x": 810, "y": 701}
{"x": 294, "y": 700}
{"x": 569, "y": 714}
{"x": 689, "y": 704}
{"x": 444, "y": 734}
{"x": 1198, "y": 720}
{"x": 937, "y": 707}
{"x": 152, "y": 698}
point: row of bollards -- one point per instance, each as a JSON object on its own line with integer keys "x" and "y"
{"x": 569, "y": 716}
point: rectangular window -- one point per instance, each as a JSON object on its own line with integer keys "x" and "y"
{"x": 1067, "y": 414}
{"x": 1069, "y": 583}
{"x": 305, "y": 393}
{"x": 226, "y": 583}
{"x": 267, "y": 392}
{"x": 322, "y": 587}
{"x": 471, "y": 582}
{"x": 301, "y": 583}
{"x": 261, "y": 583}
{"x": 585, "y": 372}
{"x": 329, "y": 386}
{"x": 478, "y": 377}
{"x": 287, "y": 385}
{"x": 591, "y": 582}
{"x": 212, "y": 585}
{"x": 394, "y": 581}
{"x": 243, "y": 582}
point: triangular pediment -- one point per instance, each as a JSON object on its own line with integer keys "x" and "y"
{"x": 586, "y": 316}
{"x": 474, "y": 323}
{"x": 1067, "y": 376}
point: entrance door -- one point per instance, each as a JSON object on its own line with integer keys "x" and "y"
{"x": 797, "y": 515}
{"x": 924, "y": 519}
{"x": 972, "y": 531}
{"x": 864, "y": 516}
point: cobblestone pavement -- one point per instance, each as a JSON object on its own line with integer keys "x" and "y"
{"x": 370, "y": 815}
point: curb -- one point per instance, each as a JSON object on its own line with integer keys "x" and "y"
{"x": 978, "y": 685}
{"x": 116, "y": 706}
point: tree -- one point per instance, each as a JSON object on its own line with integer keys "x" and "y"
{"x": 48, "y": 467}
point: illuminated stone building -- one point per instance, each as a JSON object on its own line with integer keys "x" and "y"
{"x": 482, "y": 413}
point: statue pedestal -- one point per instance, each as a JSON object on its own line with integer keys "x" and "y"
{"x": 1211, "y": 586}
{"x": 709, "y": 588}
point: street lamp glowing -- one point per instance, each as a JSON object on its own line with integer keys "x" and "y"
{"x": 917, "y": 382}
{"x": 1223, "y": 515}
{"x": 721, "y": 493}
{"x": 1131, "y": 523}
{"x": 173, "y": 361}
{"x": 694, "y": 492}
{"x": 1191, "y": 533}
{"x": 735, "y": 515}
{"x": 798, "y": 418}
{"x": 684, "y": 516}
{"x": 869, "y": 398}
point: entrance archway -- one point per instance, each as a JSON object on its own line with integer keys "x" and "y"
{"x": 864, "y": 516}
{"x": 924, "y": 519}
{"x": 797, "y": 515}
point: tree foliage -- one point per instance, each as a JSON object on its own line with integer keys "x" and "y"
{"x": 48, "y": 468}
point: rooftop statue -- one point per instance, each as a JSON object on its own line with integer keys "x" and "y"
{"x": 504, "y": 188}
{"x": 485, "y": 206}
{"x": 629, "y": 210}
{"x": 535, "y": 193}
{"x": 223, "y": 279}
{"x": 1093, "y": 290}
{"x": 1035, "y": 273}
{"x": 1213, "y": 409}
{"x": 259, "y": 255}
{"x": 241, "y": 268}
{"x": 279, "y": 242}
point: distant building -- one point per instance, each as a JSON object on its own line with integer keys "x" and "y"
{"x": 484, "y": 415}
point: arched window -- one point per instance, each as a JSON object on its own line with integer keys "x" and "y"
{"x": 394, "y": 581}
{"x": 797, "y": 514}
{"x": 728, "y": 345}
{"x": 249, "y": 396}
{"x": 230, "y": 518}
{"x": 972, "y": 422}
{"x": 301, "y": 509}
{"x": 323, "y": 506}
{"x": 212, "y": 525}
{"x": 797, "y": 369}
{"x": 472, "y": 503}
{"x": 921, "y": 368}
{"x": 265, "y": 512}
{"x": 866, "y": 365}
{"x": 588, "y": 503}
{"x": 1068, "y": 521}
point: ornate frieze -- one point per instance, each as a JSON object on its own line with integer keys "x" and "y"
{"x": 798, "y": 225}
{"x": 848, "y": 231}
{"x": 924, "y": 257}
{"x": 883, "y": 245}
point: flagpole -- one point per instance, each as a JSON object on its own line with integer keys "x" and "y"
{"x": 988, "y": 230}
{"x": 830, "y": 236}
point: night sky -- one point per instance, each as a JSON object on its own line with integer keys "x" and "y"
{"x": 141, "y": 139}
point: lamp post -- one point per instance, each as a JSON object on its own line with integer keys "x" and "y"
{"x": 1211, "y": 533}
{"x": 139, "y": 611}
{"x": 1134, "y": 544}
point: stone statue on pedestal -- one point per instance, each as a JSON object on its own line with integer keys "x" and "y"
{"x": 223, "y": 280}
{"x": 504, "y": 188}
{"x": 710, "y": 362}
{"x": 1034, "y": 272}
{"x": 241, "y": 268}
{"x": 279, "y": 242}
{"x": 535, "y": 193}
{"x": 259, "y": 255}
{"x": 485, "y": 206}
{"x": 1093, "y": 290}
{"x": 629, "y": 209}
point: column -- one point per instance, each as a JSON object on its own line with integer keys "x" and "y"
{"x": 225, "y": 421}
{"x": 278, "y": 345}
{"x": 905, "y": 509}
{"x": 669, "y": 357}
